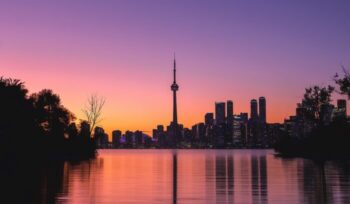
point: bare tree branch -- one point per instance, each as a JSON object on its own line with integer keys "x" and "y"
{"x": 93, "y": 110}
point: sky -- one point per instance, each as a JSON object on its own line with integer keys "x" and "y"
{"x": 123, "y": 51}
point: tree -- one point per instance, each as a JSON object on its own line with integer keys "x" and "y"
{"x": 343, "y": 82}
{"x": 16, "y": 119}
{"x": 72, "y": 131}
{"x": 93, "y": 110}
{"x": 51, "y": 115}
{"x": 35, "y": 126}
{"x": 314, "y": 98}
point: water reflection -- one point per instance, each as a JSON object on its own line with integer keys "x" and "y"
{"x": 230, "y": 178}
{"x": 31, "y": 184}
{"x": 220, "y": 178}
{"x": 344, "y": 181}
{"x": 174, "y": 177}
{"x": 314, "y": 182}
{"x": 180, "y": 176}
{"x": 259, "y": 179}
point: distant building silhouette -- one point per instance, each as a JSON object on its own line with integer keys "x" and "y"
{"x": 229, "y": 111}
{"x": 138, "y": 135}
{"x": 229, "y": 123}
{"x": 160, "y": 136}
{"x": 157, "y": 132}
{"x": 253, "y": 109}
{"x": 209, "y": 123}
{"x": 262, "y": 109}
{"x": 129, "y": 139}
{"x": 240, "y": 130}
{"x": 116, "y": 136}
{"x": 253, "y": 126}
{"x": 219, "y": 113}
{"x": 101, "y": 138}
{"x": 198, "y": 132}
{"x": 209, "y": 119}
{"x": 160, "y": 128}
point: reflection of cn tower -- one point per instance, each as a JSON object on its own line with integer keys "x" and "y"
{"x": 174, "y": 177}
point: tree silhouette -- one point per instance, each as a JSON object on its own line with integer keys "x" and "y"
{"x": 343, "y": 82}
{"x": 52, "y": 116}
{"x": 314, "y": 98}
{"x": 324, "y": 141}
{"x": 72, "y": 131}
{"x": 93, "y": 110}
{"x": 16, "y": 118}
{"x": 34, "y": 128}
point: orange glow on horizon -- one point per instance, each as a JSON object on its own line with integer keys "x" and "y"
{"x": 129, "y": 107}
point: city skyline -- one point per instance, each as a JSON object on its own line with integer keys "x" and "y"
{"x": 186, "y": 101}
{"x": 126, "y": 58}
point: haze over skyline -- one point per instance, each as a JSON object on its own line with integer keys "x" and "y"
{"x": 123, "y": 50}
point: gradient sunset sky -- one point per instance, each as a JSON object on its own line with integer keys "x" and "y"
{"x": 123, "y": 51}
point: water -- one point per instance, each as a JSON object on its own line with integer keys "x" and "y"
{"x": 193, "y": 176}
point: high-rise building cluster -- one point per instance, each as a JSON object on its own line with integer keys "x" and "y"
{"x": 223, "y": 128}
{"x": 229, "y": 130}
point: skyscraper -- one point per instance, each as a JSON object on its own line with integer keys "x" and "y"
{"x": 253, "y": 109}
{"x": 262, "y": 109}
{"x": 229, "y": 111}
{"x": 209, "y": 119}
{"x": 229, "y": 123}
{"x": 220, "y": 113}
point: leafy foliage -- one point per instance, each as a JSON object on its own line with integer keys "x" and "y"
{"x": 314, "y": 98}
{"x": 343, "y": 82}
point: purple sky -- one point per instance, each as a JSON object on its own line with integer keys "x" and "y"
{"x": 123, "y": 50}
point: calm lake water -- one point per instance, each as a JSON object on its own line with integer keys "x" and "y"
{"x": 192, "y": 176}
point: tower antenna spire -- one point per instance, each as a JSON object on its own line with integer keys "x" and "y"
{"x": 174, "y": 68}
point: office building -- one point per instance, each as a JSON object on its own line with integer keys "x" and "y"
{"x": 116, "y": 136}
{"x": 262, "y": 109}
{"x": 253, "y": 109}
{"x": 219, "y": 113}
{"x": 229, "y": 112}
{"x": 209, "y": 119}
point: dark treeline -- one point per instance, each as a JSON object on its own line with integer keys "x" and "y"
{"x": 319, "y": 131}
{"x": 38, "y": 127}
{"x": 324, "y": 142}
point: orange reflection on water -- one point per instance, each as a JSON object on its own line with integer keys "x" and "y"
{"x": 202, "y": 176}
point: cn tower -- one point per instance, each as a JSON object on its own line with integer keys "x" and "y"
{"x": 174, "y": 88}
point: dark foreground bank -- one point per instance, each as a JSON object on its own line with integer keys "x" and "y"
{"x": 38, "y": 128}
{"x": 329, "y": 142}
